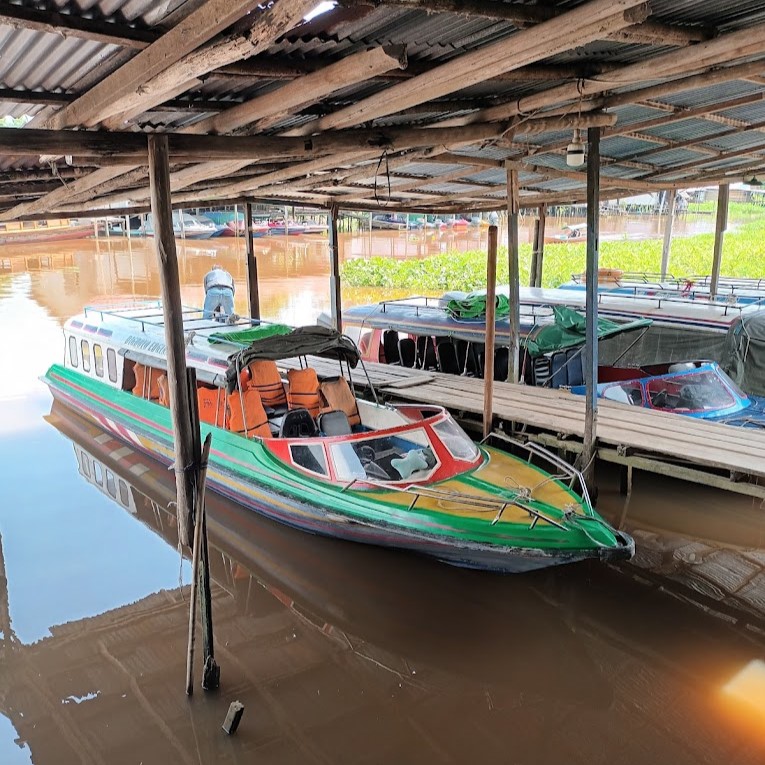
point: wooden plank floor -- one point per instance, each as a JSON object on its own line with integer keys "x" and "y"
{"x": 712, "y": 445}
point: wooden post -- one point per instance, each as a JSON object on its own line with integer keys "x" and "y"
{"x": 539, "y": 247}
{"x": 513, "y": 365}
{"x": 334, "y": 271}
{"x": 591, "y": 306}
{"x": 723, "y": 195}
{"x": 488, "y": 356}
{"x": 253, "y": 289}
{"x": 164, "y": 241}
{"x": 671, "y": 202}
{"x": 236, "y": 221}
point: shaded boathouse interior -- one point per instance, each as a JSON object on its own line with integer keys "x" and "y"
{"x": 436, "y": 107}
{"x": 430, "y": 107}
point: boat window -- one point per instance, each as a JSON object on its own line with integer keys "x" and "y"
{"x": 400, "y": 457}
{"x": 111, "y": 364}
{"x": 85, "y": 464}
{"x": 310, "y": 457}
{"x": 85, "y": 347}
{"x": 698, "y": 392}
{"x": 73, "y": 358}
{"x": 628, "y": 392}
{"x": 111, "y": 484}
{"x": 124, "y": 494}
{"x": 98, "y": 476}
{"x": 98, "y": 359}
{"x": 456, "y": 441}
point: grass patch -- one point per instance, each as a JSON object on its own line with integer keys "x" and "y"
{"x": 743, "y": 256}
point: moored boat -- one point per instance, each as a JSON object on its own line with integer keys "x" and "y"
{"x": 185, "y": 226}
{"x": 313, "y": 456}
{"x": 34, "y": 232}
{"x": 698, "y": 389}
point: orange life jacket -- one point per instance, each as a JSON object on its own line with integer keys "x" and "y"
{"x": 212, "y": 405}
{"x": 146, "y": 382}
{"x": 303, "y": 390}
{"x": 253, "y": 416}
{"x": 264, "y": 377}
{"x": 337, "y": 394}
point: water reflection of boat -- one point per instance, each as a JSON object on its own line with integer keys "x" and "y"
{"x": 405, "y": 476}
{"x": 443, "y": 623}
{"x": 43, "y": 231}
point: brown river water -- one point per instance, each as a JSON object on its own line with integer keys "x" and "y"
{"x": 340, "y": 653}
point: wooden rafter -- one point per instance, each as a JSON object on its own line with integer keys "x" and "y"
{"x": 71, "y": 25}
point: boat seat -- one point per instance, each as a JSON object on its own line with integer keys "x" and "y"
{"x": 263, "y": 376}
{"x": 245, "y": 414}
{"x": 390, "y": 346}
{"x": 297, "y": 423}
{"x": 334, "y": 423}
{"x": 304, "y": 390}
{"x": 337, "y": 394}
{"x": 407, "y": 352}
{"x": 574, "y": 366}
{"x": 446, "y": 352}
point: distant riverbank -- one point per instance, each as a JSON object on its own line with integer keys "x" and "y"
{"x": 743, "y": 256}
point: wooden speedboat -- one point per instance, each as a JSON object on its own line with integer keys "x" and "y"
{"x": 33, "y": 232}
{"x": 698, "y": 389}
{"x": 569, "y": 235}
{"x": 309, "y": 454}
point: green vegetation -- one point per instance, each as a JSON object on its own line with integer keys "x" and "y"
{"x": 743, "y": 255}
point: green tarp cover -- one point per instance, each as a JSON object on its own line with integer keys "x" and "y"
{"x": 245, "y": 337}
{"x": 473, "y": 306}
{"x": 569, "y": 331}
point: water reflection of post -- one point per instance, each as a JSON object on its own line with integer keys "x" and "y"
{"x": 5, "y": 611}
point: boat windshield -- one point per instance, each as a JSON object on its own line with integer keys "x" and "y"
{"x": 406, "y": 455}
{"x": 697, "y": 392}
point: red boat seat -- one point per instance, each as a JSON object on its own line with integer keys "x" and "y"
{"x": 245, "y": 414}
{"x": 264, "y": 377}
{"x": 304, "y": 390}
{"x": 211, "y": 403}
{"x": 146, "y": 382}
{"x": 337, "y": 395}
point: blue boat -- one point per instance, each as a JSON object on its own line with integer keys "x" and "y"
{"x": 699, "y": 389}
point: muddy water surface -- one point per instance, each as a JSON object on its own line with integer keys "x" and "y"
{"x": 340, "y": 653}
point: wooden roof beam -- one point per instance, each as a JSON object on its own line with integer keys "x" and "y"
{"x": 702, "y": 60}
{"x": 115, "y": 93}
{"x": 523, "y": 15}
{"x": 310, "y": 88}
{"x": 70, "y": 25}
{"x": 577, "y": 27}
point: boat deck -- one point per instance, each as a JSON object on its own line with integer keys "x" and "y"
{"x": 704, "y": 452}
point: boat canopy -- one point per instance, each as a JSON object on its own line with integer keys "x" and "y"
{"x": 568, "y": 331}
{"x": 313, "y": 340}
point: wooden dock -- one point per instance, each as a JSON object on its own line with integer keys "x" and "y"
{"x": 683, "y": 447}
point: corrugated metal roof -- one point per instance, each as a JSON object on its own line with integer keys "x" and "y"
{"x": 31, "y": 60}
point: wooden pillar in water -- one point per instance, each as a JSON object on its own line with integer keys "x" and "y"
{"x": 491, "y": 309}
{"x": 335, "y": 300}
{"x": 513, "y": 365}
{"x": 591, "y": 306}
{"x": 537, "y": 256}
{"x": 164, "y": 241}
{"x": 671, "y": 203}
{"x": 723, "y": 195}
{"x": 253, "y": 288}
